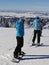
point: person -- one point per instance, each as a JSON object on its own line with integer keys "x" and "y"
{"x": 41, "y": 27}
{"x": 36, "y": 24}
{"x": 19, "y": 37}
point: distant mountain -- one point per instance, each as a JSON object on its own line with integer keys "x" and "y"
{"x": 28, "y": 11}
{"x": 23, "y": 11}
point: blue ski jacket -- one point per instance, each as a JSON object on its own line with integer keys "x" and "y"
{"x": 36, "y": 24}
{"x": 19, "y": 28}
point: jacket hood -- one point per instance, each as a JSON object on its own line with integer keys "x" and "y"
{"x": 37, "y": 17}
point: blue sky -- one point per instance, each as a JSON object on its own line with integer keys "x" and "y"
{"x": 37, "y": 5}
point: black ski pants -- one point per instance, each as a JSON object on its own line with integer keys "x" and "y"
{"x": 36, "y": 33}
{"x": 19, "y": 45}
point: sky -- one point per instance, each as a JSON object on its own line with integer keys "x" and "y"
{"x": 35, "y": 5}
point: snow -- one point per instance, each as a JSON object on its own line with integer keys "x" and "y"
{"x": 27, "y": 14}
{"x": 34, "y": 55}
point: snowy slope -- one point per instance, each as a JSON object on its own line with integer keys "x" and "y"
{"x": 34, "y": 55}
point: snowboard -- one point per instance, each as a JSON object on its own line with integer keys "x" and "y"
{"x": 16, "y": 60}
{"x": 9, "y": 57}
{"x": 36, "y": 45}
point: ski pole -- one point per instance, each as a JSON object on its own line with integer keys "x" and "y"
{"x": 30, "y": 38}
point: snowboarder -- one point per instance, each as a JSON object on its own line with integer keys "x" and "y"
{"x": 37, "y": 30}
{"x": 19, "y": 37}
{"x": 41, "y": 27}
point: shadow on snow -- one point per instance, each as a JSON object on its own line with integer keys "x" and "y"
{"x": 31, "y": 57}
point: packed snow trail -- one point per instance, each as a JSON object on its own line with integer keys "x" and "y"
{"x": 34, "y": 55}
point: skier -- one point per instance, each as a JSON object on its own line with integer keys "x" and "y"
{"x": 19, "y": 37}
{"x": 36, "y": 24}
{"x": 41, "y": 27}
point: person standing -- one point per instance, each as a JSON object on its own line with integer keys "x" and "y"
{"x": 37, "y": 30}
{"x": 41, "y": 27}
{"x": 19, "y": 37}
